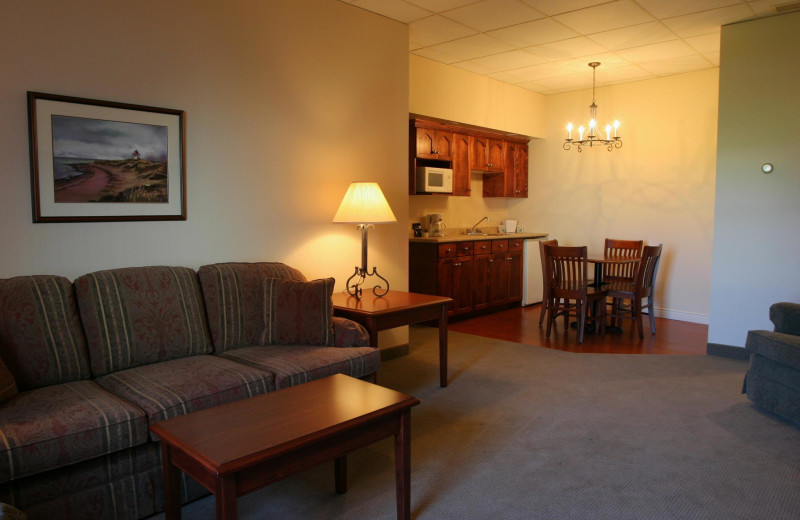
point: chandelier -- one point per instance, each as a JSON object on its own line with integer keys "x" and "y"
{"x": 589, "y": 137}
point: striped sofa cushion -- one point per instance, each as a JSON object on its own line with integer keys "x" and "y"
{"x": 234, "y": 296}
{"x": 298, "y": 313}
{"x": 180, "y": 386}
{"x": 295, "y": 364}
{"x": 50, "y": 427}
{"x": 41, "y": 338}
{"x": 140, "y": 315}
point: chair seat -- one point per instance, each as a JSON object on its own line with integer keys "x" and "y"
{"x": 54, "y": 426}
{"x": 295, "y": 364}
{"x": 180, "y": 386}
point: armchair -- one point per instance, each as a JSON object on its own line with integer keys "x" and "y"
{"x": 773, "y": 378}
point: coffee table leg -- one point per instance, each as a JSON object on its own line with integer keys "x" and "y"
{"x": 402, "y": 466}
{"x": 172, "y": 484}
{"x": 340, "y": 470}
{"x": 443, "y": 347}
{"x": 226, "y": 497}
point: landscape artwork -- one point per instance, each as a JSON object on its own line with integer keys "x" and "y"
{"x": 108, "y": 161}
{"x": 95, "y": 160}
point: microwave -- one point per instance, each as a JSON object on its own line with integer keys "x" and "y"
{"x": 434, "y": 180}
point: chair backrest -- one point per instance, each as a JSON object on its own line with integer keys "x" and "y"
{"x": 542, "y": 244}
{"x": 648, "y": 268}
{"x": 566, "y": 271}
{"x": 625, "y": 249}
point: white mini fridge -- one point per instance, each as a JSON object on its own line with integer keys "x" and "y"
{"x": 531, "y": 272}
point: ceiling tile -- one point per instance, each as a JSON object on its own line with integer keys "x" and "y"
{"x": 471, "y": 47}
{"x": 438, "y": 6}
{"x": 677, "y": 65}
{"x": 533, "y": 33}
{"x": 707, "y": 43}
{"x": 624, "y": 74}
{"x": 546, "y": 70}
{"x": 671, "y": 8}
{"x": 435, "y": 54}
{"x": 550, "y": 7}
{"x": 707, "y": 21}
{"x": 605, "y": 17}
{"x": 436, "y": 29}
{"x": 635, "y": 36}
{"x": 657, "y": 51}
{"x": 471, "y": 66}
{"x": 508, "y": 60}
{"x": 487, "y": 15}
{"x": 571, "y": 81}
{"x": 400, "y": 11}
{"x": 713, "y": 57}
{"x": 565, "y": 49}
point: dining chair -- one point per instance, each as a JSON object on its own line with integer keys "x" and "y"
{"x": 634, "y": 292}
{"x": 566, "y": 273}
{"x": 545, "y": 288}
{"x": 625, "y": 249}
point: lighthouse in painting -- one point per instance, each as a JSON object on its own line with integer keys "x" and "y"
{"x": 136, "y": 155}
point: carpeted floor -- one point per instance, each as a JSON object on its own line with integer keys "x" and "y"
{"x": 529, "y": 433}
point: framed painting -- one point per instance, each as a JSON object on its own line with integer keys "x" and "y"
{"x": 97, "y": 160}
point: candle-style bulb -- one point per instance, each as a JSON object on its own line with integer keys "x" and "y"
{"x": 608, "y": 132}
{"x": 616, "y": 125}
{"x": 569, "y": 130}
{"x": 581, "y": 129}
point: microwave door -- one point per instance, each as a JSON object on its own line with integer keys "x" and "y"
{"x": 435, "y": 180}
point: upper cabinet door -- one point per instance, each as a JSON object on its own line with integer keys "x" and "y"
{"x": 461, "y": 176}
{"x": 434, "y": 144}
{"x": 486, "y": 155}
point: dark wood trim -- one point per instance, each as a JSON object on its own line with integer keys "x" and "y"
{"x": 421, "y": 121}
{"x": 728, "y": 351}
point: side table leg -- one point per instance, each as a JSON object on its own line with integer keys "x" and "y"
{"x": 172, "y": 484}
{"x": 443, "y": 347}
{"x": 340, "y": 471}
{"x": 226, "y": 498}
{"x": 402, "y": 466}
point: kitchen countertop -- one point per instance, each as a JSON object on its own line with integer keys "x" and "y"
{"x": 467, "y": 238}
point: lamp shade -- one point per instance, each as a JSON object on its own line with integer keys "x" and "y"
{"x": 364, "y": 203}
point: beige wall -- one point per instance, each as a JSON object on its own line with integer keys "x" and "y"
{"x": 659, "y": 186}
{"x": 286, "y": 103}
{"x": 757, "y": 215}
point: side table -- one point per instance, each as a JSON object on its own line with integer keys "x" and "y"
{"x": 396, "y": 309}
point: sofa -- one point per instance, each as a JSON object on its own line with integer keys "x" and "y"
{"x": 87, "y": 366}
{"x": 773, "y": 378}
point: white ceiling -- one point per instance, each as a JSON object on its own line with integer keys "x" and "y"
{"x": 546, "y": 45}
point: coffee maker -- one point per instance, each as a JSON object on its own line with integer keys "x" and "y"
{"x": 436, "y": 227}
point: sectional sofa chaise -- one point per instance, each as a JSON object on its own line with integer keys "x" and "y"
{"x": 88, "y": 366}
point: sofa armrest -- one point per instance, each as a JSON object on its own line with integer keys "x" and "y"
{"x": 786, "y": 317}
{"x": 348, "y": 333}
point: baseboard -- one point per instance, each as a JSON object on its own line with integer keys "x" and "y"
{"x": 691, "y": 317}
{"x": 394, "y": 352}
{"x": 728, "y": 351}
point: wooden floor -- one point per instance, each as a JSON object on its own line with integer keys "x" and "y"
{"x": 521, "y": 325}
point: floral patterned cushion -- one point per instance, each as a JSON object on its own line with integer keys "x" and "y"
{"x": 295, "y": 364}
{"x": 177, "y": 387}
{"x": 41, "y": 337}
{"x": 50, "y": 427}
{"x": 298, "y": 313}
{"x": 234, "y": 296}
{"x": 140, "y": 315}
{"x": 8, "y": 387}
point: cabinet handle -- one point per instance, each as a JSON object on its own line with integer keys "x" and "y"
{"x": 448, "y": 250}
{"x": 490, "y": 260}
{"x": 509, "y": 259}
{"x": 458, "y": 264}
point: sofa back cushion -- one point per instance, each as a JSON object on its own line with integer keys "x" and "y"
{"x": 141, "y": 315}
{"x": 41, "y": 338}
{"x": 298, "y": 313}
{"x": 234, "y": 296}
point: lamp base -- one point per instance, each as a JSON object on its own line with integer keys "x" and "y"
{"x": 360, "y": 275}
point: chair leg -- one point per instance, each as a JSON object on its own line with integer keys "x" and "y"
{"x": 651, "y": 314}
{"x": 581, "y": 311}
{"x": 550, "y": 319}
{"x": 636, "y": 309}
{"x": 545, "y": 305}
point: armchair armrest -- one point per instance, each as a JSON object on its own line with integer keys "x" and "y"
{"x": 786, "y": 317}
{"x": 348, "y": 333}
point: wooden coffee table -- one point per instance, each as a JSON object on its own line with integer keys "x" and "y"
{"x": 239, "y": 447}
{"x": 395, "y": 309}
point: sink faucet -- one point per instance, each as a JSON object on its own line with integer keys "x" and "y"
{"x": 473, "y": 229}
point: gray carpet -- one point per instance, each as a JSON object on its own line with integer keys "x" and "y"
{"x": 524, "y": 432}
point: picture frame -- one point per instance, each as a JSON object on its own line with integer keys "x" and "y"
{"x": 95, "y": 161}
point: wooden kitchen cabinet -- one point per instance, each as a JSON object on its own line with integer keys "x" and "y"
{"x": 478, "y": 275}
{"x": 461, "y": 172}
{"x": 486, "y": 154}
{"x": 513, "y": 182}
{"x": 434, "y": 144}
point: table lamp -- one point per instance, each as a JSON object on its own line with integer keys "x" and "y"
{"x": 364, "y": 205}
